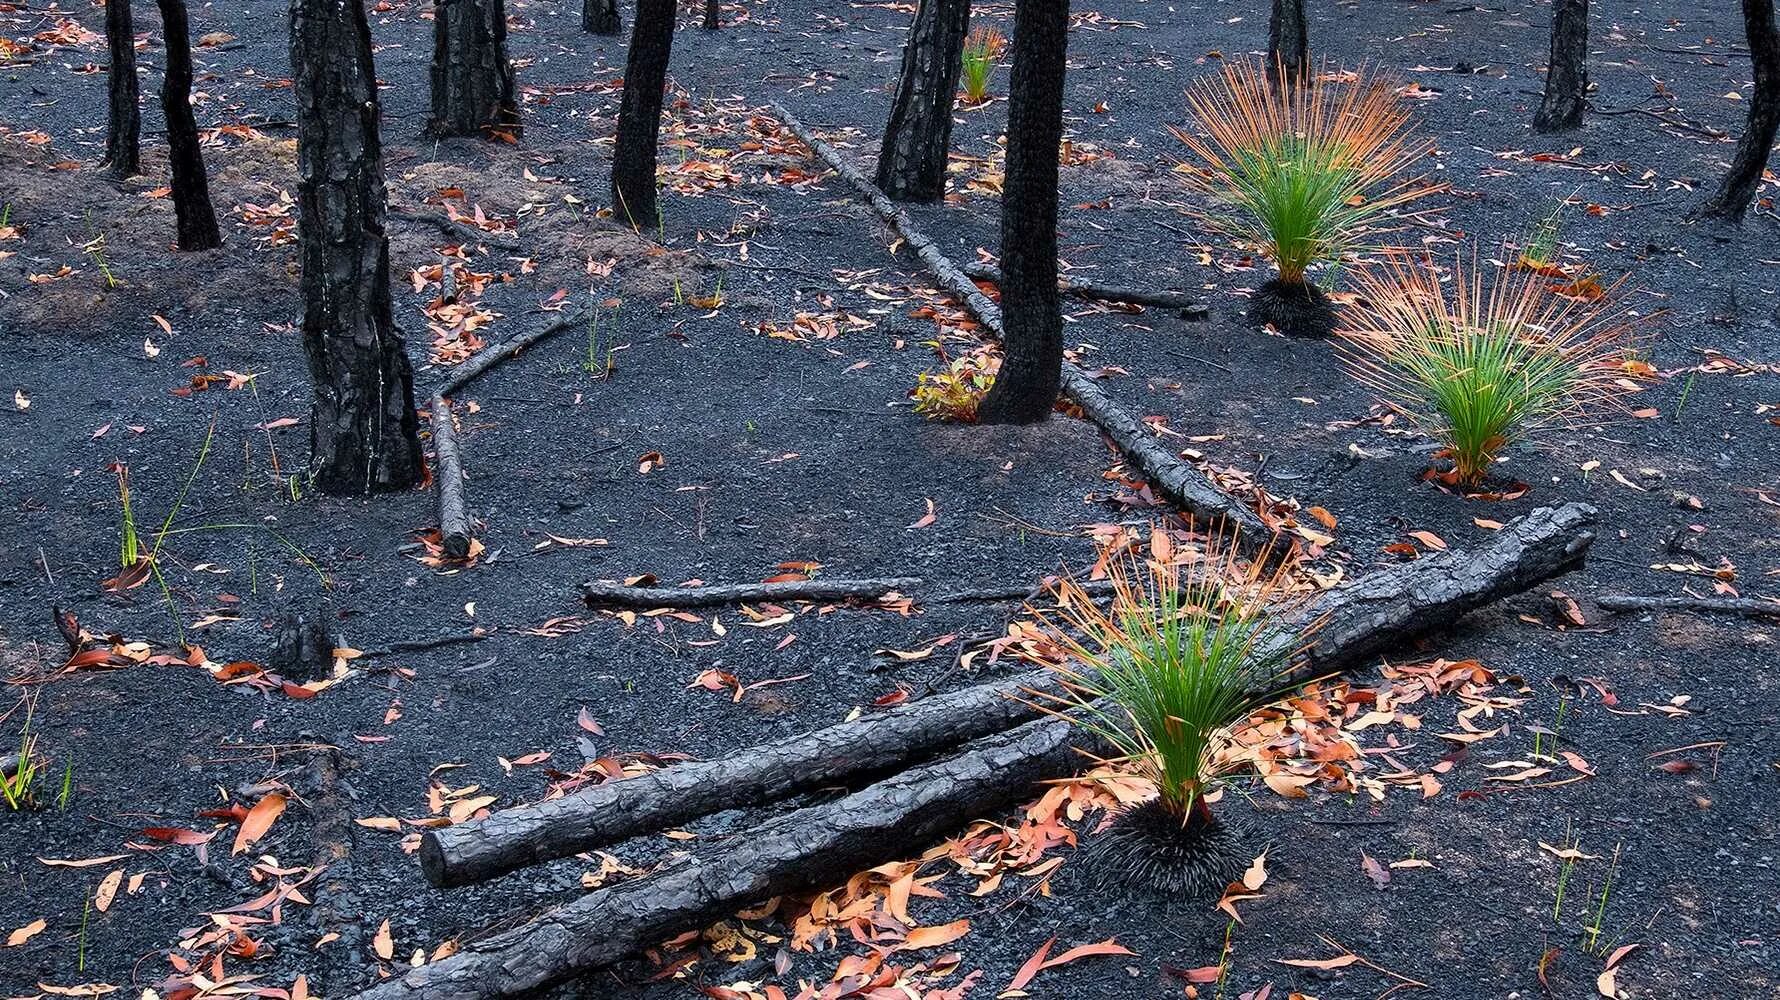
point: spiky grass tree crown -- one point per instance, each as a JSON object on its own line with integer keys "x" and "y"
{"x": 1300, "y": 173}
{"x": 981, "y": 48}
{"x": 1188, "y": 646}
{"x": 1486, "y": 355}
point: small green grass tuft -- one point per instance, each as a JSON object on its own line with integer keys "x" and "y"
{"x": 1485, "y": 365}
{"x": 982, "y": 47}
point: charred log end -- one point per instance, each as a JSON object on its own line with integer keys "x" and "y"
{"x": 305, "y": 647}
{"x": 432, "y": 863}
{"x": 1148, "y": 847}
{"x": 1295, "y": 309}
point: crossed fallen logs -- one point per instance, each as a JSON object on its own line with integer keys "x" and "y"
{"x": 921, "y": 771}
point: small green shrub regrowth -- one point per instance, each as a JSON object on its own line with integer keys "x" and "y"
{"x": 982, "y": 47}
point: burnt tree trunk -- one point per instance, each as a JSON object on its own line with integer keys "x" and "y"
{"x": 474, "y": 92}
{"x": 123, "y": 130}
{"x": 600, "y": 17}
{"x": 1737, "y": 189}
{"x": 1566, "y": 76}
{"x": 1288, "y": 42}
{"x": 713, "y": 15}
{"x": 191, "y": 187}
{"x": 912, "y": 159}
{"x": 1031, "y": 308}
{"x": 364, "y": 435}
{"x": 639, "y": 114}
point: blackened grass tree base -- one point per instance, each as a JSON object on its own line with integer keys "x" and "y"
{"x": 191, "y": 186}
{"x": 364, "y": 433}
{"x": 912, "y": 159}
{"x": 639, "y": 115}
{"x": 1025, "y": 389}
{"x": 123, "y": 130}
{"x": 474, "y": 88}
{"x": 1294, "y": 309}
{"x": 1148, "y": 847}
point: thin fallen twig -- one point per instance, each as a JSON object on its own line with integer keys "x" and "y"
{"x": 600, "y": 593}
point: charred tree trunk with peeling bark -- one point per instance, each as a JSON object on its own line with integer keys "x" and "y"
{"x": 1566, "y": 76}
{"x": 1738, "y": 188}
{"x": 191, "y": 187}
{"x": 1025, "y": 389}
{"x": 363, "y": 430}
{"x": 639, "y": 114}
{"x": 123, "y": 129}
{"x": 912, "y": 159}
{"x": 1288, "y": 42}
{"x": 601, "y": 17}
{"x": 474, "y": 90}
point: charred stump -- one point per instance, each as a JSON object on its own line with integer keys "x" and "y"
{"x": 1566, "y": 77}
{"x": 912, "y": 159}
{"x": 123, "y": 127}
{"x": 191, "y": 186}
{"x": 713, "y": 15}
{"x": 363, "y": 430}
{"x": 639, "y": 114}
{"x": 1288, "y": 42}
{"x": 1738, "y": 187}
{"x": 601, "y": 17}
{"x": 474, "y": 91}
{"x": 1031, "y": 309}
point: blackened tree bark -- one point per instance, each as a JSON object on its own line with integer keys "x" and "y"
{"x": 123, "y": 130}
{"x": 1031, "y": 311}
{"x": 1566, "y": 76}
{"x": 912, "y": 159}
{"x": 639, "y": 114}
{"x": 1288, "y": 41}
{"x": 474, "y": 91}
{"x": 363, "y": 431}
{"x": 600, "y": 17}
{"x": 713, "y": 14}
{"x": 1737, "y": 189}
{"x": 191, "y": 186}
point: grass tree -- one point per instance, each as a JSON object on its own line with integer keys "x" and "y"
{"x": 1566, "y": 74}
{"x": 191, "y": 185}
{"x": 1190, "y": 644}
{"x": 639, "y": 115}
{"x": 1504, "y": 352}
{"x": 1738, "y": 187}
{"x": 1299, "y": 175}
{"x": 474, "y": 90}
{"x": 1025, "y": 388}
{"x": 123, "y": 128}
{"x": 982, "y": 47}
{"x": 363, "y": 429}
{"x": 912, "y": 157}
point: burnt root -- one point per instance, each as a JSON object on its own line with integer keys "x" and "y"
{"x": 1295, "y": 309}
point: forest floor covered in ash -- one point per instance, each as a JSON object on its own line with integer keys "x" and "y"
{"x": 743, "y": 413}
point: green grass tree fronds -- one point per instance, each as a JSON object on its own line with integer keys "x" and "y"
{"x": 1496, "y": 356}
{"x": 982, "y": 47}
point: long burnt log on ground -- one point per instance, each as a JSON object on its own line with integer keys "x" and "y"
{"x": 1180, "y": 482}
{"x": 598, "y": 593}
{"x": 801, "y": 850}
{"x": 1384, "y": 609}
{"x": 1082, "y": 288}
{"x": 1756, "y": 606}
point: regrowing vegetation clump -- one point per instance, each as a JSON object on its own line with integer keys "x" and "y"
{"x": 1501, "y": 354}
{"x": 981, "y": 48}
{"x": 1190, "y": 644}
{"x": 1299, "y": 174}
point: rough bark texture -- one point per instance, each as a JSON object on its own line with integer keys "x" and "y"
{"x": 1025, "y": 389}
{"x": 191, "y": 187}
{"x": 601, "y": 17}
{"x": 1384, "y": 609}
{"x": 1738, "y": 188}
{"x": 474, "y": 91}
{"x": 804, "y": 849}
{"x": 1566, "y": 76}
{"x": 639, "y": 114}
{"x": 713, "y": 15}
{"x": 123, "y": 129}
{"x": 1756, "y": 606}
{"x": 599, "y": 593}
{"x": 448, "y": 473}
{"x": 912, "y": 158}
{"x": 364, "y": 435}
{"x": 880, "y": 743}
{"x": 1178, "y": 481}
{"x": 1082, "y": 288}
{"x": 1288, "y": 41}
